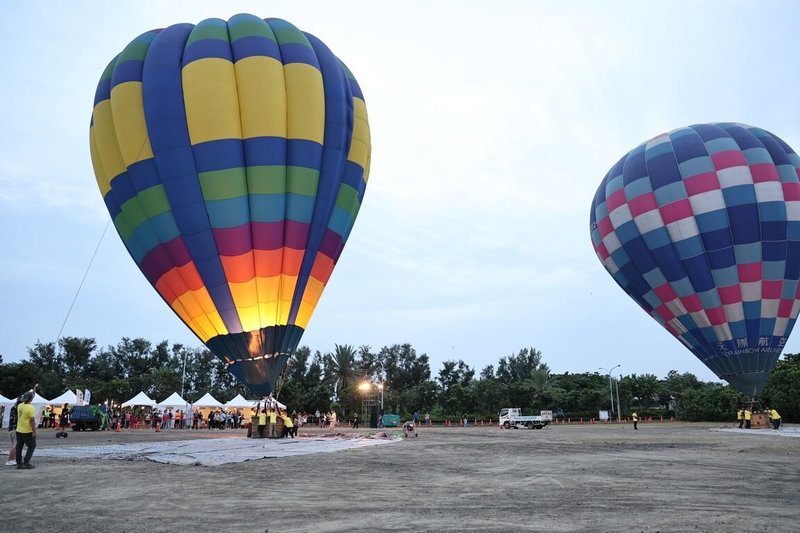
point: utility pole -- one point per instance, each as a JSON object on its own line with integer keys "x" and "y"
{"x": 619, "y": 419}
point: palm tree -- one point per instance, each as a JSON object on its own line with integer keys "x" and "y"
{"x": 542, "y": 384}
{"x": 341, "y": 367}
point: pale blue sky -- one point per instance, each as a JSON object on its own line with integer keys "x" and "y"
{"x": 493, "y": 123}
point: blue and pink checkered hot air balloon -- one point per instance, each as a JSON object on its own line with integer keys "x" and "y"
{"x": 233, "y": 158}
{"x": 701, "y": 227}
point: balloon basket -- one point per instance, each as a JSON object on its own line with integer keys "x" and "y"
{"x": 760, "y": 421}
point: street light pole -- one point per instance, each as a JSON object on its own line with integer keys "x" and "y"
{"x": 610, "y": 389}
{"x": 619, "y": 419}
{"x": 183, "y": 375}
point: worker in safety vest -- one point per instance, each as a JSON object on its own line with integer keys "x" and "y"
{"x": 635, "y": 418}
{"x": 740, "y": 417}
{"x": 747, "y": 415}
{"x": 775, "y": 417}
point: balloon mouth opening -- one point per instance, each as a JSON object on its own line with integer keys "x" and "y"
{"x": 750, "y": 384}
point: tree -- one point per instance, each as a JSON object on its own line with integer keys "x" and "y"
{"x": 77, "y": 353}
{"x": 542, "y": 387}
{"x": 340, "y": 367}
{"x": 584, "y": 393}
{"x": 519, "y": 367}
{"x": 50, "y": 368}
{"x": 454, "y": 373}
{"x": 713, "y": 403}
{"x": 644, "y": 389}
{"x": 783, "y": 387}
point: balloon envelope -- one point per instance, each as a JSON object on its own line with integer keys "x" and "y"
{"x": 701, "y": 227}
{"x": 233, "y": 158}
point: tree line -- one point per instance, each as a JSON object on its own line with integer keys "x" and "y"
{"x": 331, "y": 380}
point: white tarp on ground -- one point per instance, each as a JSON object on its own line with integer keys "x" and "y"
{"x": 68, "y": 397}
{"x": 212, "y": 452}
{"x": 174, "y": 400}
{"x": 207, "y": 401}
{"x": 784, "y": 431}
{"x": 140, "y": 399}
{"x": 238, "y": 402}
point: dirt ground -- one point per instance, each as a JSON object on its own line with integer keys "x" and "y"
{"x": 664, "y": 477}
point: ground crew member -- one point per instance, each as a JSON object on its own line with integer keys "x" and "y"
{"x": 635, "y": 418}
{"x": 776, "y": 418}
{"x": 26, "y": 431}
{"x": 273, "y": 419}
{"x": 287, "y": 425}
{"x": 740, "y": 417}
{"x": 262, "y": 423}
{"x": 747, "y": 415}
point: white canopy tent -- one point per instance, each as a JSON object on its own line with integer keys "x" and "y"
{"x": 279, "y": 405}
{"x": 140, "y": 399}
{"x": 38, "y": 402}
{"x": 6, "y": 403}
{"x": 68, "y": 397}
{"x": 174, "y": 400}
{"x": 238, "y": 402}
{"x": 207, "y": 401}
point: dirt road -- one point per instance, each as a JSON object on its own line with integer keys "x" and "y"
{"x": 665, "y": 477}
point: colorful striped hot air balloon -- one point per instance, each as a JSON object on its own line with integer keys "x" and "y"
{"x": 233, "y": 158}
{"x": 701, "y": 227}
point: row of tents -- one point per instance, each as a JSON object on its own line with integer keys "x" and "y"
{"x": 206, "y": 401}
{"x": 143, "y": 400}
{"x": 174, "y": 401}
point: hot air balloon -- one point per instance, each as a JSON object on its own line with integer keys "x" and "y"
{"x": 233, "y": 158}
{"x": 701, "y": 227}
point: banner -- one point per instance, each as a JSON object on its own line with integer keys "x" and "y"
{"x": 79, "y": 394}
{"x": 87, "y": 397}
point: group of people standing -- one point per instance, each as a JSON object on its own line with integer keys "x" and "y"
{"x": 745, "y": 416}
{"x": 327, "y": 420}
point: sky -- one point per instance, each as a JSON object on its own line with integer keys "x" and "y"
{"x": 492, "y": 123}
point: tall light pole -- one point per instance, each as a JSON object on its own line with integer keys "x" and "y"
{"x": 610, "y": 389}
{"x": 380, "y": 386}
{"x": 183, "y": 375}
{"x": 619, "y": 419}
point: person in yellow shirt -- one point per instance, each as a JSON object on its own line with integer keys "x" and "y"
{"x": 740, "y": 417}
{"x": 775, "y": 417}
{"x": 26, "y": 431}
{"x": 287, "y": 425}
{"x": 273, "y": 420}
{"x": 262, "y": 423}
{"x": 635, "y": 418}
{"x": 747, "y": 415}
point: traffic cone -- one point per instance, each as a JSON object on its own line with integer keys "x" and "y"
{"x": 118, "y": 430}
{"x": 158, "y": 427}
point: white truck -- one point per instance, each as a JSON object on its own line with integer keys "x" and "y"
{"x": 511, "y": 417}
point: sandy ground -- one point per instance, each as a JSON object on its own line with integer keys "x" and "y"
{"x": 664, "y": 477}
